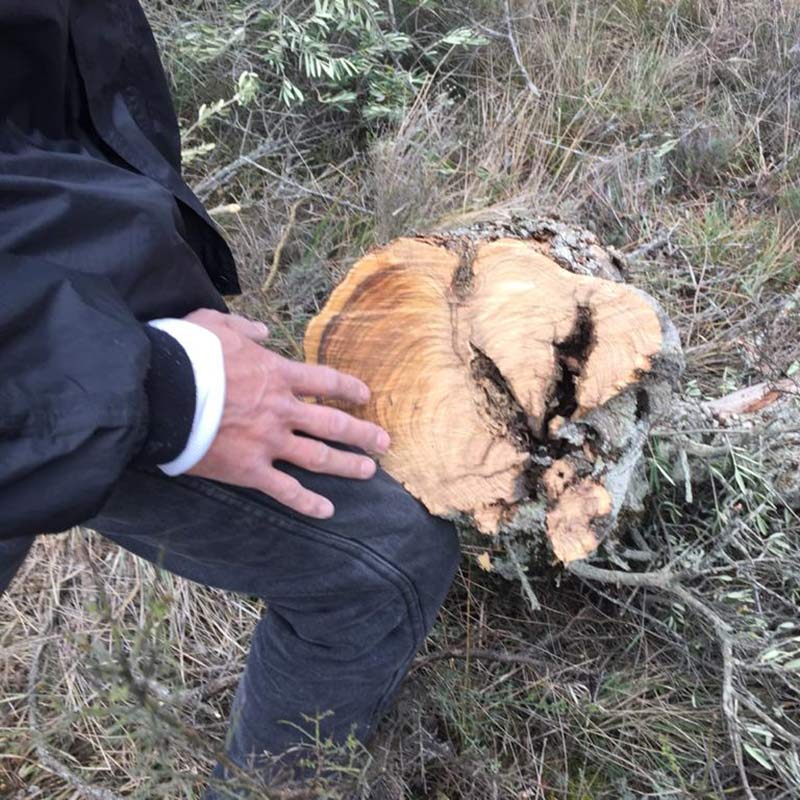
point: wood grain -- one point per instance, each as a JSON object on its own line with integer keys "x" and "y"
{"x": 477, "y": 354}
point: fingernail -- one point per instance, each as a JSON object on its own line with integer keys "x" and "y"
{"x": 364, "y": 394}
{"x": 367, "y": 468}
{"x": 384, "y": 441}
{"x": 325, "y": 509}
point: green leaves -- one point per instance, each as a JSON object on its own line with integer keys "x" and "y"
{"x": 465, "y": 37}
{"x": 338, "y": 48}
{"x": 345, "y": 54}
{"x": 247, "y": 88}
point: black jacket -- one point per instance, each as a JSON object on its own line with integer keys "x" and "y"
{"x": 98, "y": 233}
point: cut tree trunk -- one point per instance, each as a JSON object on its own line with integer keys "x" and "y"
{"x": 516, "y": 372}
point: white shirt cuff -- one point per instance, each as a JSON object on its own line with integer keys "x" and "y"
{"x": 204, "y": 350}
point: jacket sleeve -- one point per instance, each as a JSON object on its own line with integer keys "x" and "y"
{"x": 78, "y": 376}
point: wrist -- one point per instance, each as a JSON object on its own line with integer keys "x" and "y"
{"x": 202, "y": 350}
{"x": 171, "y": 400}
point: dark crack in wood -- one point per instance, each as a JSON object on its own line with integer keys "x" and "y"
{"x": 572, "y": 355}
{"x": 463, "y": 276}
{"x": 500, "y": 404}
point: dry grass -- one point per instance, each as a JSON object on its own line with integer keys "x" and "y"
{"x": 673, "y": 130}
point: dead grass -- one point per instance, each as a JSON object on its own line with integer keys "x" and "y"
{"x": 673, "y": 130}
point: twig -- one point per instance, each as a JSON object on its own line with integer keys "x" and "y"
{"x": 512, "y": 38}
{"x": 208, "y": 690}
{"x": 647, "y": 248}
{"x": 206, "y": 187}
{"x": 767, "y": 430}
{"x": 658, "y": 579}
{"x": 747, "y": 700}
{"x": 701, "y": 450}
{"x": 632, "y": 554}
{"x": 313, "y": 192}
{"x": 641, "y": 542}
{"x": 494, "y": 655}
{"x": 392, "y": 16}
{"x": 523, "y": 578}
{"x": 667, "y": 581}
{"x": 555, "y": 635}
{"x": 297, "y": 348}
{"x": 276, "y": 257}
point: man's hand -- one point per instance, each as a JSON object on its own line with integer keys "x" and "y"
{"x": 263, "y": 415}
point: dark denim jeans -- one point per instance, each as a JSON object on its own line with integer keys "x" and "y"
{"x": 350, "y": 599}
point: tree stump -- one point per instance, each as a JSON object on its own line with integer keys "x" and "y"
{"x": 516, "y": 371}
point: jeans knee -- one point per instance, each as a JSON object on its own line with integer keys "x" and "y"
{"x": 444, "y": 553}
{"x": 370, "y": 615}
{"x": 378, "y": 589}
{"x": 427, "y": 552}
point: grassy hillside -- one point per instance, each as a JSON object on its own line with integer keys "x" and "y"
{"x": 672, "y": 129}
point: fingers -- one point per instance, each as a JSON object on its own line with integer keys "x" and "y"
{"x": 319, "y": 457}
{"x": 251, "y": 329}
{"x": 285, "y": 489}
{"x": 335, "y": 425}
{"x": 318, "y": 381}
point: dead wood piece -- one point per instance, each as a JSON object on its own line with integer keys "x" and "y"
{"x": 751, "y": 399}
{"x": 764, "y": 418}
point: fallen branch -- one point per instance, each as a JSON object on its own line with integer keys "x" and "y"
{"x": 667, "y": 581}
{"x": 496, "y": 655}
{"x": 751, "y": 399}
{"x": 276, "y": 257}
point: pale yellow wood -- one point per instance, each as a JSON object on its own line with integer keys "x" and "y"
{"x": 413, "y": 320}
{"x": 389, "y": 323}
{"x": 523, "y": 302}
{"x": 570, "y": 521}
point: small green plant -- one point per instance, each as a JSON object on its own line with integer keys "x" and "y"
{"x": 344, "y": 54}
{"x": 247, "y": 88}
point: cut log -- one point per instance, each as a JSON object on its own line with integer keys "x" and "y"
{"x": 515, "y": 371}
